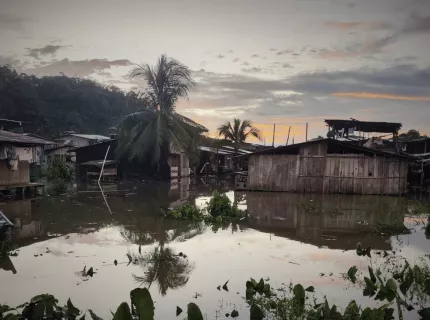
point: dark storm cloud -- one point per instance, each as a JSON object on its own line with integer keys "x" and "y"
{"x": 77, "y": 68}
{"x": 414, "y": 25}
{"x": 43, "y": 51}
{"x": 399, "y": 80}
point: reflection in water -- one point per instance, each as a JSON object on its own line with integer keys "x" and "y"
{"x": 305, "y": 229}
{"x": 164, "y": 267}
{"x": 335, "y": 221}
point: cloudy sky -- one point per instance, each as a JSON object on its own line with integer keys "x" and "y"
{"x": 288, "y": 62}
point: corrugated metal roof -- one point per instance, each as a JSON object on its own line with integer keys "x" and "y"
{"x": 11, "y": 137}
{"x": 86, "y": 136}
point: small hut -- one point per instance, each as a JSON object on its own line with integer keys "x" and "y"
{"x": 327, "y": 166}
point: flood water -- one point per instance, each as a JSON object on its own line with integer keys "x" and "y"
{"x": 307, "y": 239}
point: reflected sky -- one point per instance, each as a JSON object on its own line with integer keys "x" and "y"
{"x": 306, "y": 239}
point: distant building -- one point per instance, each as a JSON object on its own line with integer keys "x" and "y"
{"x": 18, "y": 153}
{"x": 80, "y": 140}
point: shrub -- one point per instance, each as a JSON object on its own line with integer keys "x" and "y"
{"x": 59, "y": 169}
{"x": 186, "y": 211}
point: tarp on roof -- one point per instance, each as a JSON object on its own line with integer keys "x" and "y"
{"x": 364, "y": 126}
{"x": 11, "y": 137}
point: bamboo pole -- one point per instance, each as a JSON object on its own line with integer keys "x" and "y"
{"x": 306, "y": 131}
{"x": 288, "y": 137}
{"x": 273, "y": 138}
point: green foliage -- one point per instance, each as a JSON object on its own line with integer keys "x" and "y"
{"x": 238, "y": 132}
{"x": 351, "y": 274}
{"x": 142, "y": 303}
{"x": 220, "y": 205}
{"x": 151, "y": 134}
{"x": 194, "y": 312}
{"x": 123, "y": 312}
{"x": 53, "y": 104}
{"x": 59, "y": 174}
{"x": 220, "y": 209}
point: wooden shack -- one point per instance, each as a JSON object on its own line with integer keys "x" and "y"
{"x": 327, "y": 166}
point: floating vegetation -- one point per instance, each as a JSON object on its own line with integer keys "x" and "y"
{"x": 219, "y": 210}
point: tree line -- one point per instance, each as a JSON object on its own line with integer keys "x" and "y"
{"x": 51, "y": 105}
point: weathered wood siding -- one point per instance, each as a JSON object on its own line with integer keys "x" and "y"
{"x": 19, "y": 177}
{"x": 273, "y": 172}
{"x": 315, "y": 172}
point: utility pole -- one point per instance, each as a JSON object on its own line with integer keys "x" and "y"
{"x": 273, "y": 139}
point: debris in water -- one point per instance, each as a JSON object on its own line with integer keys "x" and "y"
{"x": 219, "y": 287}
{"x": 181, "y": 254}
{"x": 140, "y": 249}
{"x": 178, "y": 311}
{"x": 115, "y": 262}
{"x": 294, "y": 263}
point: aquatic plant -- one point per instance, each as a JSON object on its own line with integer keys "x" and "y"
{"x": 219, "y": 210}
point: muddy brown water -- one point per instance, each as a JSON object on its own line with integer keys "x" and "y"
{"x": 308, "y": 239}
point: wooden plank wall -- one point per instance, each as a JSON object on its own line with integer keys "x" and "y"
{"x": 14, "y": 178}
{"x": 273, "y": 173}
{"x": 314, "y": 171}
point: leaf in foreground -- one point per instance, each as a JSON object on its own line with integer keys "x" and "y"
{"x": 142, "y": 301}
{"x": 194, "y": 312}
{"x": 256, "y": 312}
{"x": 234, "y": 314}
{"x": 178, "y": 311}
{"x": 123, "y": 312}
{"x": 299, "y": 291}
{"x": 93, "y": 315}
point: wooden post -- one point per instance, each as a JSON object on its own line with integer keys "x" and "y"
{"x": 288, "y": 137}
{"x": 306, "y": 131}
{"x": 273, "y": 138}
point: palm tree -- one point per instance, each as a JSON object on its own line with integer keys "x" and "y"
{"x": 152, "y": 133}
{"x": 238, "y": 132}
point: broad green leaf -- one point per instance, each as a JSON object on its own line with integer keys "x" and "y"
{"x": 369, "y": 283}
{"x": 4, "y": 308}
{"x": 256, "y": 313}
{"x": 143, "y": 304}
{"x": 254, "y": 283}
{"x": 372, "y": 275}
{"x": 424, "y": 313}
{"x": 266, "y": 289}
{"x": 123, "y": 312}
{"x": 351, "y": 274}
{"x": 72, "y": 311}
{"x": 392, "y": 285}
{"x": 260, "y": 285}
{"x": 249, "y": 285}
{"x": 93, "y": 315}
{"x": 193, "y": 312}
{"x": 11, "y": 316}
{"x": 299, "y": 291}
{"x": 352, "y": 312}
